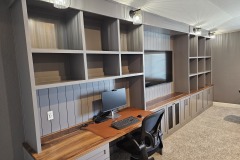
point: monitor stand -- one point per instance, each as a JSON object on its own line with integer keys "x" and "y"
{"x": 113, "y": 114}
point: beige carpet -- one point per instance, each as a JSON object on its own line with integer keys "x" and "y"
{"x": 213, "y": 135}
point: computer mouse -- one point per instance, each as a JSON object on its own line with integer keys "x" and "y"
{"x": 139, "y": 116}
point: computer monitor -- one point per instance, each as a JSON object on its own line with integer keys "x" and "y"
{"x": 111, "y": 100}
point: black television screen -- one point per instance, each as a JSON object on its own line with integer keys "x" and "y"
{"x": 158, "y": 67}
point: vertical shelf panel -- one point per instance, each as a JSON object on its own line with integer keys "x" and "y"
{"x": 201, "y": 46}
{"x": 101, "y": 32}
{"x": 54, "y": 28}
{"x": 54, "y": 68}
{"x": 181, "y": 66}
{"x": 193, "y": 83}
{"x": 201, "y": 81}
{"x": 131, "y": 36}
{"x": 201, "y": 65}
{"x": 193, "y": 66}
{"x": 132, "y": 63}
{"x": 208, "y": 64}
{"x": 103, "y": 65}
{"x": 193, "y": 46}
{"x": 208, "y": 79}
{"x": 208, "y": 47}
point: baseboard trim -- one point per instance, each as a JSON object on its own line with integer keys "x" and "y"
{"x": 231, "y": 105}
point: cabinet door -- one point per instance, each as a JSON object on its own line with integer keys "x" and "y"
{"x": 185, "y": 111}
{"x": 101, "y": 153}
{"x": 210, "y": 97}
{"x": 173, "y": 117}
{"x": 164, "y": 122}
{"x": 205, "y": 98}
{"x": 177, "y": 112}
{"x": 199, "y": 102}
{"x": 170, "y": 118}
{"x": 193, "y": 105}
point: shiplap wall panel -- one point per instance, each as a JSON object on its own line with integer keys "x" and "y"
{"x": 74, "y": 104}
{"x": 83, "y": 88}
{"x": 90, "y": 100}
{"x": 44, "y": 108}
{"x": 77, "y": 102}
{"x": 53, "y": 102}
{"x": 70, "y": 106}
{"x": 156, "y": 41}
{"x": 62, "y": 107}
{"x": 158, "y": 91}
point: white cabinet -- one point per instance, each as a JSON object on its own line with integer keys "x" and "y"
{"x": 193, "y": 105}
{"x": 205, "y": 98}
{"x": 210, "y": 97}
{"x": 102, "y": 153}
{"x": 173, "y": 117}
{"x": 199, "y": 103}
{"x": 185, "y": 110}
{"x": 164, "y": 122}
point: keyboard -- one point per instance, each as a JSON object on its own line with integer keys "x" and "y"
{"x": 125, "y": 122}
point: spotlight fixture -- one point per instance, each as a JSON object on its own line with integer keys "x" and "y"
{"x": 136, "y": 16}
{"x": 61, "y": 4}
{"x": 197, "y": 31}
{"x": 211, "y": 35}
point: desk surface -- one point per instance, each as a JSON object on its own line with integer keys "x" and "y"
{"x": 81, "y": 142}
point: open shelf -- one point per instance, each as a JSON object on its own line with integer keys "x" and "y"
{"x": 201, "y": 46}
{"x": 132, "y": 63}
{"x": 102, "y": 65}
{"x": 201, "y": 65}
{"x": 208, "y": 47}
{"x": 54, "y": 28}
{"x": 134, "y": 90}
{"x": 201, "y": 81}
{"x": 131, "y": 37}
{"x": 100, "y": 32}
{"x": 208, "y": 64}
{"x": 193, "y": 66}
{"x": 193, "y": 83}
{"x": 58, "y": 68}
{"x": 208, "y": 77}
{"x": 193, "y": 46}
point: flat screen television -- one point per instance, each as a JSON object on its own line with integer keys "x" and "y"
{"x": 158, "y": 67}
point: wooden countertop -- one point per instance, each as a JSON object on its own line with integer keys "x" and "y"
{"x": 158, "y": 103}
{"x": 81, "y": 142}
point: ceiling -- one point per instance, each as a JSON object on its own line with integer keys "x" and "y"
{"x": 216, "y": 15}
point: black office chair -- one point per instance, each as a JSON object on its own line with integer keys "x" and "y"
{"x": 145, "y": 141}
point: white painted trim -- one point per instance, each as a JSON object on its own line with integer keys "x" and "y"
{"x": 220, "y": 104}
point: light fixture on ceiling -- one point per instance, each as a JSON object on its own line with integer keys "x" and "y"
{"x": 136, "y": 16}
{"x": 197, "y": 31}
{"x": 211, "y": 35}
{"x": 61, "y": 4}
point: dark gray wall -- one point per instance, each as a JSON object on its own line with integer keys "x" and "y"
{"x": 226, "y": 68}
{"x": 11, "y": 130}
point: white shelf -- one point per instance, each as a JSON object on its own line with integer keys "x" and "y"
{"x": 102, "y": 52}
{"x": 38, "y": 50}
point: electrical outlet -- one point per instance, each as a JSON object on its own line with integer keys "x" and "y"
{"x": 50, "y": 115}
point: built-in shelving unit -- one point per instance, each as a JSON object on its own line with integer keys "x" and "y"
{"x": 131, "y": 37}
{"x": 58, "y": 67}
{"x": 102, "y": 65}
{"x": 55, "y": 29}
{"x": 100, "y": 32}
{"x": 131, "y": 63}
{"x": 199, "y": 62}
{"x": 68, "y": 57}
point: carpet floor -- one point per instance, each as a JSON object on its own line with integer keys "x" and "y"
{"x": 213, "y": 135}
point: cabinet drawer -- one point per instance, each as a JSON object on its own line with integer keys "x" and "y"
{"x": 101, "y": 153}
